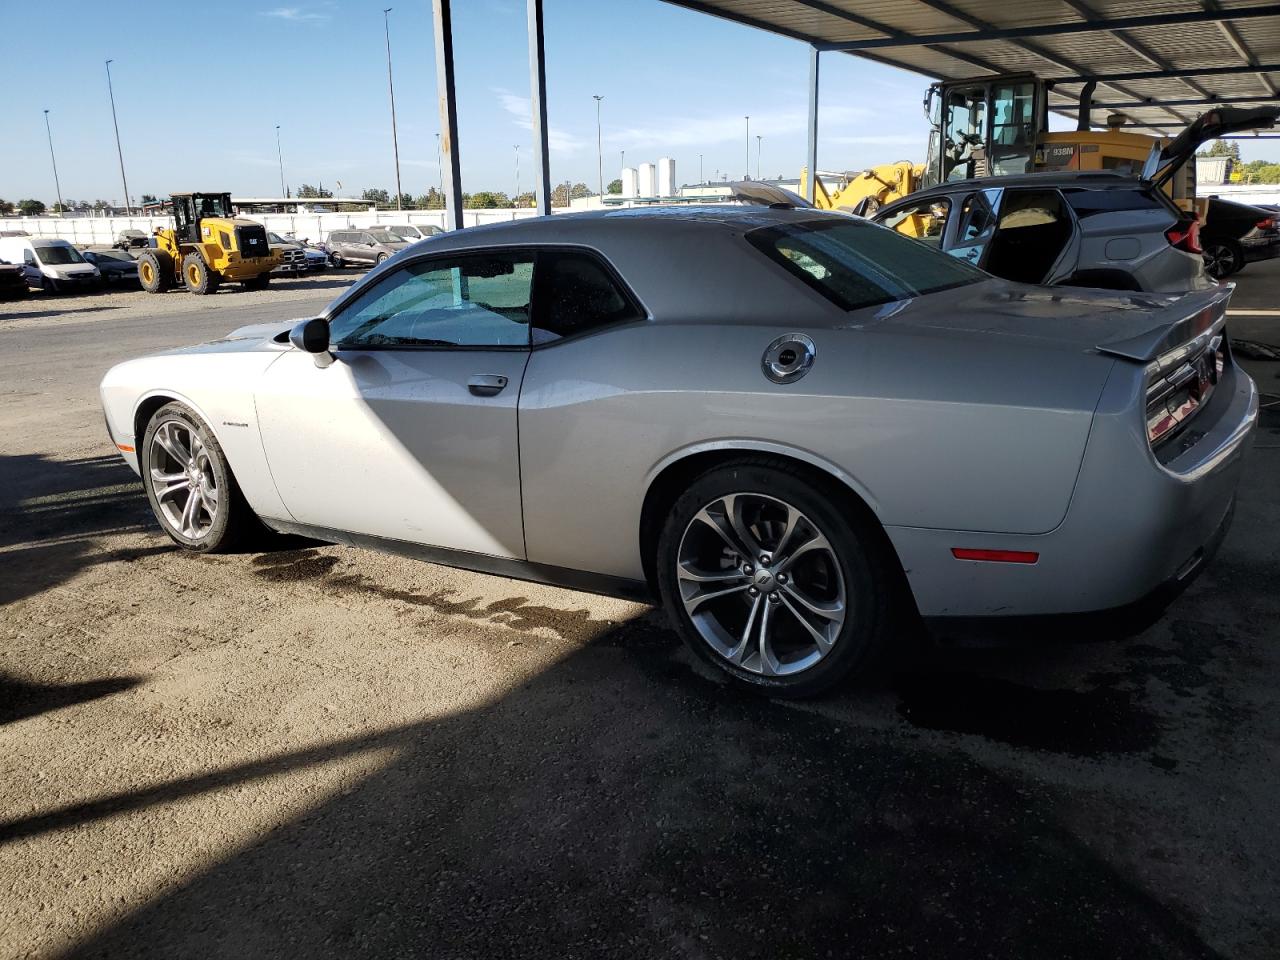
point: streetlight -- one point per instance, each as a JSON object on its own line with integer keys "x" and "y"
{"x": 758, "y": 140}
{"x": 517, "y": 196}
{"x": 748, "y": 119}
{"x": 395, "y": 143}
{"x": 56, "y": 184}
{"x": 280, "y": 160}
{"x": 599, "y": 146}
{"x": 119, "y": 153}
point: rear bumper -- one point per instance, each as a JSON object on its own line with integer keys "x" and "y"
{"x": 1135, "y": 532}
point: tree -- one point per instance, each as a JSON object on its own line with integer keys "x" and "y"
{"x": 560, "y": 195}
{"x": 376, "y": 196}
{"x": 406, "y": 200}
{"x": 1223, "y": 148}
{"x": 5, "y": 208}
{"x": 487, "y": 200}
{"x": 30, "y": 208}
{"x": 578, "y": 191}
{"x": 308, "y": 192}
{"x": 615, "y": 186}
{"x": 1261, "y": 171}
{"x": 149, "y": 198}
{"x": 433, "y": 199}
{"x": 62, "y": 208}
{"x": 528, "y": 199}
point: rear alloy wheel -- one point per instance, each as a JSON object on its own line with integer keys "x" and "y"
{"x": 189, "y": 483}
{"x": 155, "y": 271}
{"x": 767, "y": 580}
{"x": 1222, "y": 259}
{"x": 197, "y": 275}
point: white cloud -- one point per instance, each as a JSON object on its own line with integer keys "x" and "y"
{"x": 558, "y": 141}
{"x": 297, "y": 14}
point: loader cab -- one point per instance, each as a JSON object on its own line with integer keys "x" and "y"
{"x": 984, "y": 127}
{"x": 190, "y": 208}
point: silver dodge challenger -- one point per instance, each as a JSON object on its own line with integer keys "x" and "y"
{"x": 805, "y": 433}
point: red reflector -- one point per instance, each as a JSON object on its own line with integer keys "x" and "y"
{"x": 995, "y": 556}
{"x": 1266, "y": 224}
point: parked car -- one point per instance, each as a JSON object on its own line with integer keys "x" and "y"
{"x": 13, "y": 285}
{"x": 1080, "y": 230}
{"x": 364, "y": 246}
{"x": 53, "y": 265}
{"x": 115, "y": 267}
{"x": 413, "y": 232}
{"x": 126, "y": 239}
{"x": 293, "y": 257}
{"x": 797, "y": 428}
{"x": 1235, "y": 234}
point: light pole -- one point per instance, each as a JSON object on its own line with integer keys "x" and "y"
{"x": 119, "y": 153}
{"x": 599, "y": 146}
{"x": 758, "y": 141}
{"x": 440, "y": 167}
{"x": 280, "y": 160}
{"x": 395, "y": 143}
{"x": 517, "y": 196}
{"x": 56, "y": 184}
{"x": 701, "y": 179}
{"x": 748, "y": 119}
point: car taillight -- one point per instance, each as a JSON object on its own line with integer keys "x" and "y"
{"x": 1176, "y": 390}
{"x": 1186, "y": 235}
{"x": 1268, "y": 223}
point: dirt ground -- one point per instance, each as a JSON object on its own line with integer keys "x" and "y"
{"x": 324, "y": 752}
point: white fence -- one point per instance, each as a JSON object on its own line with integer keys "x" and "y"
{"x": 87, "y": 231}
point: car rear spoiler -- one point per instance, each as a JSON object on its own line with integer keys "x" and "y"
{"x": 1191, "y": 315}
{"x": 1162, "y": 164}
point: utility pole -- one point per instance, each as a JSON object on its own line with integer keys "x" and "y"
{"x": 56, "y": 184}
{"x": 758, "y": 141}
{"x": 119, "y": 153}
{"x": 748, "y": 119}
{"x": 280, "y": 160}
{"x": 440, "y": 166}
{"x": 516, "y": 198}
{"x": 395, "y": 143}
{"x": 701, "y": 179}
{"x": 599, "y": 147}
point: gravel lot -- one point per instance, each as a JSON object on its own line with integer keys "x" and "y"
{"x": 324, "y": 752}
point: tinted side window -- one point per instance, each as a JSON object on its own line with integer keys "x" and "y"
{"x": 479, "y": 300}
{"x": 1090, "y": 203}
{"x": 576, "y": 294}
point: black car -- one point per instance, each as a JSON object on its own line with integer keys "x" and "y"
{"x": 1234, "y": 234}
{"x": 130, "y": 238}
{"x": 13, "y": 284}
{"x": 116, "y": 268}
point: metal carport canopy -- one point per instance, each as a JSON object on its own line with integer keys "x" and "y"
{"x": 1158, "y": 62}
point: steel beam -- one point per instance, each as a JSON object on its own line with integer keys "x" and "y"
{"x": 1237, "y": 43}
{"x": 811, "y": 144}
{"x": 538, "y": 107}
{"x": 1201, "y": 102}
{"x": 448, "y": 114}
{"x": 1174, "y": 74}
{"x": 1058, "y": 29}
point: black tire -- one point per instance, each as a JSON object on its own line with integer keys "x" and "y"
{"x": 260, "y": 282}
{"x": 381, "y": 258}
{"x": 869, "y": 570}
{"x": 337, "y": 261}
{"x": 1222, "y": 258}
{"x": 155, "y": 271}
{"x": 234, "y": 524}
{"x": 196, "y": 274}
{"x": 48, "y": 286}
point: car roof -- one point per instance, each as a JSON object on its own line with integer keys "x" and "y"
{"x": 587, "y": 227}
{"x": 1080, "y": 179}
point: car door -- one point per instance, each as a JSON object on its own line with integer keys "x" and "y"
{"x": 410, "y": 433}
{"x": 924, "y": 220}
{"x": 974, "y": 226}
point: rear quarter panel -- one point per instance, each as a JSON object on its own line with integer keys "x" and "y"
{"x": 932, "y": 431}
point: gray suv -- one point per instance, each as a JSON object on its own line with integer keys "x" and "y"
{"x": 1083, "y": 230}
{"x": 364, "y": 246}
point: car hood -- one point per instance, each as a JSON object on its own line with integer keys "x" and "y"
{"x": 1132, "y": 325}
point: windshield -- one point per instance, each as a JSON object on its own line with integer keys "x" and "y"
{"x": 275, "y": 238}
{"x": 404, "y": 232}
{"x": 53, "y": 256}
{"x": 385, "y": 236}
{"x": 856, "y": 264}
{"x": 113, "y": 255}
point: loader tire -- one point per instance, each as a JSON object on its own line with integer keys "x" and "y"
{"x": 197, "y": 275}
{"x": 155, "y": 271}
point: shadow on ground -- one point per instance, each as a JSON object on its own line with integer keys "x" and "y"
{"x": 20, "y": 699}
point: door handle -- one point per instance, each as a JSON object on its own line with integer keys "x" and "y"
{"x": 487, "y": 385}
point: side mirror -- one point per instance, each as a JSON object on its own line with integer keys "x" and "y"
{"x": 312, "y": 336}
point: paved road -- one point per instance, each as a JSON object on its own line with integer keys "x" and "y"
{"x": 322, "y": 752}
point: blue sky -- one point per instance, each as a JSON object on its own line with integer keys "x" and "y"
{"x": 675, "y": 84}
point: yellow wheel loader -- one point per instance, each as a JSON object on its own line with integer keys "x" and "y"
{"x": 207, "y": 246}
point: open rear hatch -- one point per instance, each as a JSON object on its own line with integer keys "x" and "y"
{"x": 1162, "y": 164}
